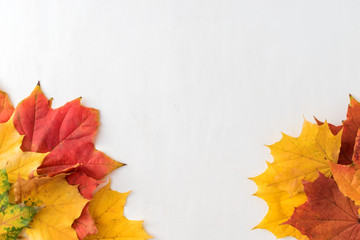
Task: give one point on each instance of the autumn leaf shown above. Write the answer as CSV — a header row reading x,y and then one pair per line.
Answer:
x,y
84,225
12,157
13,218
333,128
327,214
301,158
62,204
87,185
281,205
22,188
6,108
348,180
37,145
350,129
356,154
107,209
67,133
295,159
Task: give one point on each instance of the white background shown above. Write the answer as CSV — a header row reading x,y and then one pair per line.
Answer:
x,y
189,91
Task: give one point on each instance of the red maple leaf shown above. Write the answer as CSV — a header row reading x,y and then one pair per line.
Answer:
x,y
351,126
67,133
327,214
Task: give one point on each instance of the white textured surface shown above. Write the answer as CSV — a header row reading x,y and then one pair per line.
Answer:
x,y
189,91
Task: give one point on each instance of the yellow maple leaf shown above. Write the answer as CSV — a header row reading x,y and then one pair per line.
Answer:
x,y
348,180
12,157
61,204
295,160
281,205
107,209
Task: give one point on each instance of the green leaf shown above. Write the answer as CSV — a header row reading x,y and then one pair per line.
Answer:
x,y
13,217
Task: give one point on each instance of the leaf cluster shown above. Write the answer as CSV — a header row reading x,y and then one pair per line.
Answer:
x,y
50,171
312,187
